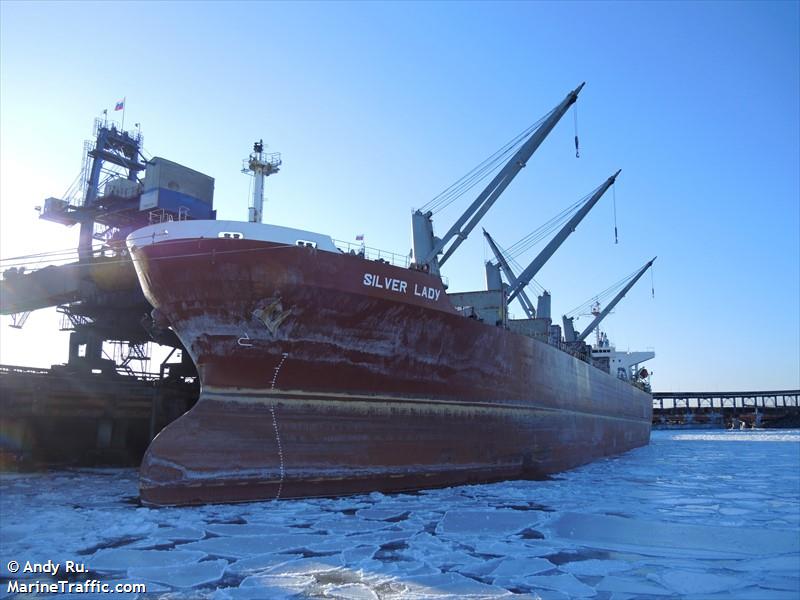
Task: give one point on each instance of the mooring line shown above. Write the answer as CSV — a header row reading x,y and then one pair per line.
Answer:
x,y
275,425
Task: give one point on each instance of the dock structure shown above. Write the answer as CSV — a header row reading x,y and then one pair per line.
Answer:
x,y
767,408
59,416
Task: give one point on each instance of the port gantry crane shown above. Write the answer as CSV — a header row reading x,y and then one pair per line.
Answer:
x,y
427,247
99,295
569,328
517,284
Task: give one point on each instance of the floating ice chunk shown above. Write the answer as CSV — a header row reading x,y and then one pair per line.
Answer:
x,y
12,534
637,586
595,567
789,562
450,584
122,559
486,522
427,544
401,569
565,583
750,593
359,553
241,546
733,512
516,567
516,547
181,534
182,576
542,595
385,536
414,567
247,529
550,595
260,562
137,524
382,514
782,583
350,591
694,582
349,525
274,585
329,544
266,590
252,593
741,495
449,560
307,566
480,568
673,539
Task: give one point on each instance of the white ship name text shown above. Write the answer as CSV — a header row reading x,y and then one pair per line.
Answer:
x,y
400,286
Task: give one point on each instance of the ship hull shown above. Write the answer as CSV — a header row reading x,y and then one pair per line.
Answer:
x,y
326,374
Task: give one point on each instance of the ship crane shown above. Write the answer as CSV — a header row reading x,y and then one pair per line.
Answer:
x,y
532,269
492,276
427,247
569,330
517,284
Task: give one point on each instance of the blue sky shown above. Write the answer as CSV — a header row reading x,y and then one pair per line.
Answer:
x,y
377,107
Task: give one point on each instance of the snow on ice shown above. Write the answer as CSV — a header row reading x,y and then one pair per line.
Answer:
x,y
709,514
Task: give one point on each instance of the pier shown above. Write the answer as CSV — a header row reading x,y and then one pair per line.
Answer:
x,y
771,408
61,416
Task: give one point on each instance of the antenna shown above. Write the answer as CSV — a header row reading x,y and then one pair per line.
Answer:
x,y
260,166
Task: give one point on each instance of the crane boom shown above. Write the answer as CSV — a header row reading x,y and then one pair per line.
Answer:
x,y
527,305
467,222
596,321
548,251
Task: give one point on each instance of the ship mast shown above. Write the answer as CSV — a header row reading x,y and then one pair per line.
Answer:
x,y
260,166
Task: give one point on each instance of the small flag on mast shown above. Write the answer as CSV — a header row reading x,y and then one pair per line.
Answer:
x,y
360,237
120,105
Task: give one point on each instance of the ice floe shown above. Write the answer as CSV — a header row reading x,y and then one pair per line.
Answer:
x,y
241,546
122,559
182,576
692,515
485,522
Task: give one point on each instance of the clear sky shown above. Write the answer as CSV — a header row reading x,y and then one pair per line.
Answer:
x,y
377,107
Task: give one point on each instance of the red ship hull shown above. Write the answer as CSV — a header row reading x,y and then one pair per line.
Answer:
x,y
318,380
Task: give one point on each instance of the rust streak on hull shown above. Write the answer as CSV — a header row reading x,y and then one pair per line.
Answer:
x,y
315,384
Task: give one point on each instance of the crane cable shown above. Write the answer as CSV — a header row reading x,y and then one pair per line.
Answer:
x,y
614,190
541,232
613,289
652,285
482,170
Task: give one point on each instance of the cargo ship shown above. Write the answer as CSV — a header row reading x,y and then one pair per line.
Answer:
x,y
330,370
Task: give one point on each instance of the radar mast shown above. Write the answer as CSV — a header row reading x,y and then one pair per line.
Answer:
x,y
260,165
